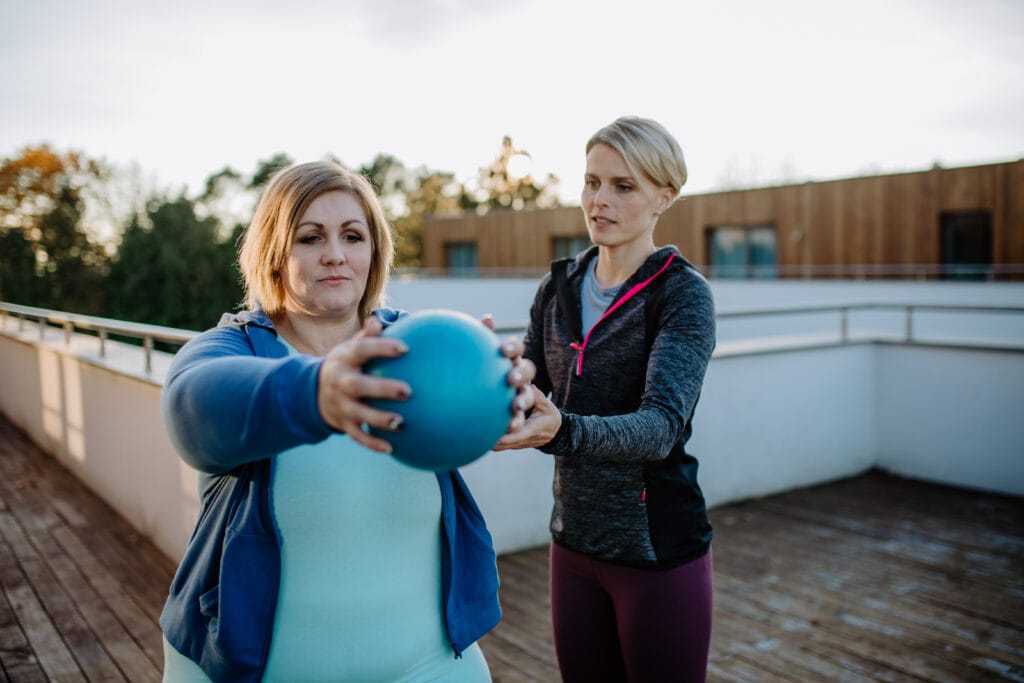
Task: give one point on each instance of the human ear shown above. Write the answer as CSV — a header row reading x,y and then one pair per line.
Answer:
x,y
664,200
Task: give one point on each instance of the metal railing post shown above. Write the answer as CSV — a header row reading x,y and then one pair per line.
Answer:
x,y
103,343
147,345
843,323
909,324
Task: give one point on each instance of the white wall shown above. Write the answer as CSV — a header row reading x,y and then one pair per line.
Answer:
x,y
951,416
104,425
774,421
766,422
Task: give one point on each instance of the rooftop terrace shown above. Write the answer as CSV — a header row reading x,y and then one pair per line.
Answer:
x,y
860,448
870,578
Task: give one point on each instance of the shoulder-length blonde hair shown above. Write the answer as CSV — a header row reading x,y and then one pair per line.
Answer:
x,y
648,149
267,239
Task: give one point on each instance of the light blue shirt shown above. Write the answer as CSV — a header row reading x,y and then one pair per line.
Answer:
x,y
594,299
360,596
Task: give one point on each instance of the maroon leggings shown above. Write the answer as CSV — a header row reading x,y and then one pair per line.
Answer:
x,y
615,623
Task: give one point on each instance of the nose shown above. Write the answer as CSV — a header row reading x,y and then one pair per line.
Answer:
x,y
334,251
600,195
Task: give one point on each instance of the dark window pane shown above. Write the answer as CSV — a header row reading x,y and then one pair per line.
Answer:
x,y
967,245
460,259
567,247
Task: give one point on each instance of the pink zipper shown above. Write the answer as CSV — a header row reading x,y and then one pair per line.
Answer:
x,y
580,348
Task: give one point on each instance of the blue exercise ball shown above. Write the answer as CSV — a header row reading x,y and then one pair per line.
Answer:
x,y
461,400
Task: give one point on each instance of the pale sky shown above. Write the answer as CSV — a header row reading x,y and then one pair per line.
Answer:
x,y
755,91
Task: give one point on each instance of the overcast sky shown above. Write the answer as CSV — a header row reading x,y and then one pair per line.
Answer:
x,y
753,90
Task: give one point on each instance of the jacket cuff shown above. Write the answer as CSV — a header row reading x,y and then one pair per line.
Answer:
x,y
561,443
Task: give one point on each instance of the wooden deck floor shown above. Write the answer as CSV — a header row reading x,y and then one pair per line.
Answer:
x,y
869,579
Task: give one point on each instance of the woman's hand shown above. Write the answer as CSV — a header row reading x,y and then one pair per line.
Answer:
x,y
542,425
343,387
522,373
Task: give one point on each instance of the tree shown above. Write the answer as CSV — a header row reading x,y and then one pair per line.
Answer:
x,y
171,269
266,168
50,261
227,198
408,195
507,184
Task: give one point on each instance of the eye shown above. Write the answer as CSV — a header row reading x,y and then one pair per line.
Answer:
x,y
353,237
590,184
309,238
624,187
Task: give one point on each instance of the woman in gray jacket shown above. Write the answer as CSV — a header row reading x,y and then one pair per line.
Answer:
x,y
621,337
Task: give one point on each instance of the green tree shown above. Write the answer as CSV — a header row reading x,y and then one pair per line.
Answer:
x,y
266,168
20,282
172,269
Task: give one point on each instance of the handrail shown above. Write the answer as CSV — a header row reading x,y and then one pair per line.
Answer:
x,y
149,334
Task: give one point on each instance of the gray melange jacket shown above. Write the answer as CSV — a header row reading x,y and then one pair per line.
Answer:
x,y
625,489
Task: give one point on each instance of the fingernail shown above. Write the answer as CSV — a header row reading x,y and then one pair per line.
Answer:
x,y
396,423
515,377
521,403
401,347
507,347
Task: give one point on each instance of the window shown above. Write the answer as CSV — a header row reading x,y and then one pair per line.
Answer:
x,y
460,259
567,247
742,252
966,245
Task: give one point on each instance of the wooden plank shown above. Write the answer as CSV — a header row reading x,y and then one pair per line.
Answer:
x,y
870,578
47,646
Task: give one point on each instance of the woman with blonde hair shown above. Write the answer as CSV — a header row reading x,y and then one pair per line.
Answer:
x,y
315,557
621,337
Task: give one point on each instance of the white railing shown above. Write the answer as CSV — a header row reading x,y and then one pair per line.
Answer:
x,y
829,405
69,323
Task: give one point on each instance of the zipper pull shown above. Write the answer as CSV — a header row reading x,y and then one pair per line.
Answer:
x,y
579,357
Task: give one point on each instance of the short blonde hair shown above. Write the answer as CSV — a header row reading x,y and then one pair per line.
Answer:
x,y
267,239
648,149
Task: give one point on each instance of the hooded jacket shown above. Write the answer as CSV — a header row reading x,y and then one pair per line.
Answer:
x,y
625,488
233,399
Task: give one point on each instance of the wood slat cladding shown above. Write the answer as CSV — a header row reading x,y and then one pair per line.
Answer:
x,y
869,578
877,225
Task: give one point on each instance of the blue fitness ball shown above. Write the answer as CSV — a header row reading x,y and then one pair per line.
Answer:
x,y
461,401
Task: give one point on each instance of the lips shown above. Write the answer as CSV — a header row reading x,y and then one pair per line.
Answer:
x,y
333,279
601,220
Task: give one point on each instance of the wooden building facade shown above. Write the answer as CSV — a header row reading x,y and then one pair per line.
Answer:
x,y
965,222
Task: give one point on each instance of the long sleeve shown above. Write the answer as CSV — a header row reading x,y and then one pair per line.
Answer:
x,y
223,406
534,338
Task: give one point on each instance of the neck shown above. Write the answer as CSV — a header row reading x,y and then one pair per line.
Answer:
x,y
616,264
315,335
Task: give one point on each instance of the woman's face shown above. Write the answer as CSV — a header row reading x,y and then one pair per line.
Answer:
x,y
619,209
329,258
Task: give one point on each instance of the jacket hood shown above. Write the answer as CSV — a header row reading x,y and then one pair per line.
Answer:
x,y
256,316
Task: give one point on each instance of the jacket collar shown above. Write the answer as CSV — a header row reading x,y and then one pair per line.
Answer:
x,y
578,266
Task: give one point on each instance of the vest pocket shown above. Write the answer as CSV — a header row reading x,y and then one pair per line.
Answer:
x,y
241,610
